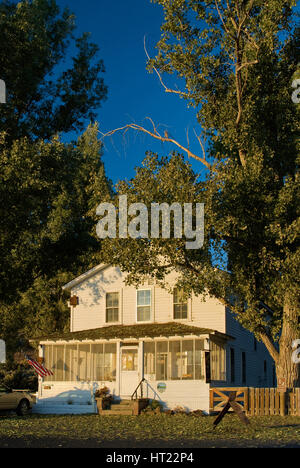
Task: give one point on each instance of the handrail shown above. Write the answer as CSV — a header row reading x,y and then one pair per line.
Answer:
x,y
139,385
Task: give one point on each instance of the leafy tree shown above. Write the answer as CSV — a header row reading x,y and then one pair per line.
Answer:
x,y
47,233
44,98
237,61
47,187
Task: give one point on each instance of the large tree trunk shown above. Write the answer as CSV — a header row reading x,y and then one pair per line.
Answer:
x,y
285,367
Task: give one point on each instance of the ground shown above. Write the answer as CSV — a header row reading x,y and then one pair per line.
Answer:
x,y
165,431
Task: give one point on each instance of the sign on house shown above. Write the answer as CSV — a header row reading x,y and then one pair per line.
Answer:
x,y
2,352
2,92
281,385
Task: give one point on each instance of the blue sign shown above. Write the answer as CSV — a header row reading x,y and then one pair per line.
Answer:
x,y
161,387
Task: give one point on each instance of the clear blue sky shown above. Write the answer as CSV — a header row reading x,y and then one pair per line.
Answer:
x,y
118,27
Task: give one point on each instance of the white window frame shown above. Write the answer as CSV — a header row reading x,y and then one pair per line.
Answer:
x,y
136,310
119,307
187,311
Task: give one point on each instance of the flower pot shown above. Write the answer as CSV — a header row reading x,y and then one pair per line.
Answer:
x,y
103,404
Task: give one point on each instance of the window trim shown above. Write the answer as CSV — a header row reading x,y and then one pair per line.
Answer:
x,y
187,307
136,308
119,308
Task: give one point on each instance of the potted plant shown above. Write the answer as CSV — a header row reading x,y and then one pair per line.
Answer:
x,y
103,399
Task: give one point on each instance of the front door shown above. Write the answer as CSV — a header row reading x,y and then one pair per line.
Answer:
x,y
129,370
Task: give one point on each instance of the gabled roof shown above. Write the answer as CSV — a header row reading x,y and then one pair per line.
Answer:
x,y
149,330
85,276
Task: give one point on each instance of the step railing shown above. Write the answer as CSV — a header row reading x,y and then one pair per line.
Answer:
x,y
135,393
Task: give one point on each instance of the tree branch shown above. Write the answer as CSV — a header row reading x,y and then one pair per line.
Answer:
x,y
167,90
155,134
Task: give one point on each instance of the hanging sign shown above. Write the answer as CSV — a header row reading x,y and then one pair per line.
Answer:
x,y
161,387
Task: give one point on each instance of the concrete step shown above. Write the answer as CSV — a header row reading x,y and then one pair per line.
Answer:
x,y
119,408
122,412
124,403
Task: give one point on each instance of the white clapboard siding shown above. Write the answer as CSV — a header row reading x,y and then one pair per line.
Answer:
x,y
90,313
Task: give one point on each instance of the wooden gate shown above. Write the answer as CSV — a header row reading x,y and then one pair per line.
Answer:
x,y
219,398
258,401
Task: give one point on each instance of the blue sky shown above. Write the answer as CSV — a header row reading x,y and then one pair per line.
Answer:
x,y
118,27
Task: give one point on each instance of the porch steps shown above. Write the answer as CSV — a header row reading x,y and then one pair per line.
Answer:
x,y
123,407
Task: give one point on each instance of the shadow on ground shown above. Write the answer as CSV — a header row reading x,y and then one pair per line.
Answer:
x,y
129,443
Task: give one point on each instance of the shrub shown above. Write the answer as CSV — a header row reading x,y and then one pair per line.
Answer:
x,y
18,376
153,407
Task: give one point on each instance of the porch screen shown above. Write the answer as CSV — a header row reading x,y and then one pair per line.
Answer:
x,y
217,362
75,362
174,359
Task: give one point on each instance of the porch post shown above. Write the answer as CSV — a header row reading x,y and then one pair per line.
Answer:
x,y
118,367
40,380
141,364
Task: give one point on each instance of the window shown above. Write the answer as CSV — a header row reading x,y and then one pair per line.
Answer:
x,y
84,362
81,362
112,307
187,357
254,344
98,361
180,308
199,360
217,362
144,305
162,360
265,370
129,360
232,365
110,362
175,359
244,373
149,358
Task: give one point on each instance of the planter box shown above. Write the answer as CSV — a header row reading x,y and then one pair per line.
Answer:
x,y
139,405
103,404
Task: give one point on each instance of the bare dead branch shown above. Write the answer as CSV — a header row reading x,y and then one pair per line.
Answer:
x,y
202,144
246,64
155,134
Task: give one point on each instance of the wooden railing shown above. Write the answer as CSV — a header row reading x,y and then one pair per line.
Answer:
x,y
135,393
258,401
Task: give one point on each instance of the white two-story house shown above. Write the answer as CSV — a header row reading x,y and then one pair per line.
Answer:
x,y
120,335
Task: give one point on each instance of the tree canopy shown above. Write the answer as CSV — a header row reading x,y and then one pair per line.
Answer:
x,y
44,96
237,61
49,189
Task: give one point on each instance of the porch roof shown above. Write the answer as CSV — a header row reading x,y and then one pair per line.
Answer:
x,y
154,330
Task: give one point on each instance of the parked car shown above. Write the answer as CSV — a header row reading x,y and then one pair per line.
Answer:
x,y
20,401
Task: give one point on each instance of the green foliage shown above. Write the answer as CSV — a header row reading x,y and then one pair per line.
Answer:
x,y
18,377
49,192
237,61
154,406
43,97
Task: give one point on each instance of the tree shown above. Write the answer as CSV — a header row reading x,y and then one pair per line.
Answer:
x,y
48,188
43,98
237,61
47,234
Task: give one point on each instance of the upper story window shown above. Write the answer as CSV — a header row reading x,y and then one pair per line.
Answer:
x,y
144,305
180,306
112,307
